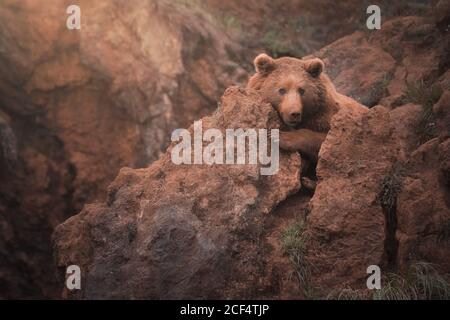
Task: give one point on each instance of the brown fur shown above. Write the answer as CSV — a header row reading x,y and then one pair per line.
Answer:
x,y
320,100
305,98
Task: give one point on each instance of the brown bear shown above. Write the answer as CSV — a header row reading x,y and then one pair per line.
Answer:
x,y
304,97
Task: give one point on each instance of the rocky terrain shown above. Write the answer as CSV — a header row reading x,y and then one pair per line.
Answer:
x,y
76,107
166,233
83,104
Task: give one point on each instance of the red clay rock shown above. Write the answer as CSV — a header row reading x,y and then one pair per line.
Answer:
x,y
441,111
375,67
392,207
441,14
406,118
346,226
367,208
84,103
138,70
186,231
423,208
357,68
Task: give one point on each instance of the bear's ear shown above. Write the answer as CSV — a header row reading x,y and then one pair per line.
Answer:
x,y
314,67
264,64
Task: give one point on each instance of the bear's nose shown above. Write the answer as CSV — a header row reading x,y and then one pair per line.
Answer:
x,y
296,115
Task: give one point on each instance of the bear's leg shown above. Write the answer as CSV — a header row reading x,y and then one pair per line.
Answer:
x,y
306,141
308,179
309,184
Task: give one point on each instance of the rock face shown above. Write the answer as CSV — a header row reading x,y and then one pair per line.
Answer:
x,y
381,200
76,106
382,196
182,231
81,104
376,67
346,226
441,13
423,205
383,192
143,88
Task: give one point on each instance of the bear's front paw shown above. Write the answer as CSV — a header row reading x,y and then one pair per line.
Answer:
x,y
288,141
309,184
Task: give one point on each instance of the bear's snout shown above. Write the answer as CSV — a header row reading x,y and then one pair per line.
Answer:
x,y
295,116
292,118
291,109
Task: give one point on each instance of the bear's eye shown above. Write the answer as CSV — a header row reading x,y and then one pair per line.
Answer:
x,y
282,91
301,91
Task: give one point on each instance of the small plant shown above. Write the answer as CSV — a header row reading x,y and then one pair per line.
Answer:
x,y
387,197
421,282
348,294
379,90
273,42
390,187
294,246
8,145
395,287
421,93
444,232
231,23
426,96
429,283
396,50
291,238
279,43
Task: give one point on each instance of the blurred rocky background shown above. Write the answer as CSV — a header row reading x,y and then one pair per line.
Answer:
x,y
78,105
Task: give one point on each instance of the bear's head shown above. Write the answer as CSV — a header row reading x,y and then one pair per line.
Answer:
x,y
294,87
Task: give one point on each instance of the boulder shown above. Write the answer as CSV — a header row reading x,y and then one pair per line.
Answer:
x,y
182,231
382,198
347,228
358,68
423,210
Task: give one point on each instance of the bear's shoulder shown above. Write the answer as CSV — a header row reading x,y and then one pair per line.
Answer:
x,y
344,101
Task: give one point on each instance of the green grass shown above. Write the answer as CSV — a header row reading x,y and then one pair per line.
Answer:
x,y
444,232
395,287
230,23
274,43
194,6
421,93
379,90
348,294
294,246
8,144
422,281
390,187
429,283
425,95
